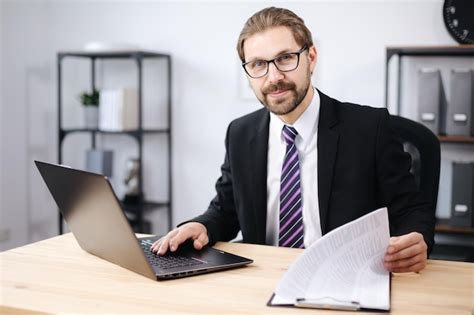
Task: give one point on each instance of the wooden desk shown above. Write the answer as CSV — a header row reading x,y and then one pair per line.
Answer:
x,y
56,276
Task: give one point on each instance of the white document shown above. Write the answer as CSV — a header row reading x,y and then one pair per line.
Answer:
x,y
343,270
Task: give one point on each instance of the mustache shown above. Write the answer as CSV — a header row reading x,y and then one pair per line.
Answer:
x,y
282,85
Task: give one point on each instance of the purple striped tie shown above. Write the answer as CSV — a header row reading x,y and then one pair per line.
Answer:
x,y
291,208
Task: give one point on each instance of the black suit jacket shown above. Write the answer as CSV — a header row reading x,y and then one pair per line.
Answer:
x,y
361,167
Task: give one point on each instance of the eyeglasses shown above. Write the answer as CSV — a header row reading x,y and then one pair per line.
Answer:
x,y
284,63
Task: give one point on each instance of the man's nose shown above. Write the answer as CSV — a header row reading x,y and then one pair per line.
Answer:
x,y
274,75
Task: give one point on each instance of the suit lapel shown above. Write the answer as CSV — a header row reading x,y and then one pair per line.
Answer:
x,y
258,151
327,152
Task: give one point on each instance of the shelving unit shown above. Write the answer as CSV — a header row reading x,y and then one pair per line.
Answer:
x,y
135,212
443,227
456,139
430,51
452,242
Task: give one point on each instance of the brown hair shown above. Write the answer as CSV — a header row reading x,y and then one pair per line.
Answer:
x,y
273,17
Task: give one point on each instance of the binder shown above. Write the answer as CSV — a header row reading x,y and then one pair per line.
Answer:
x,y
118,110
431,100
461,105
462,195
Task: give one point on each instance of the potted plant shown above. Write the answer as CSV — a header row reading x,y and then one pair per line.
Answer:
x,y
90,101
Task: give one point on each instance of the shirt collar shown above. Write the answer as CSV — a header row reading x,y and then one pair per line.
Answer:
x,y
306,124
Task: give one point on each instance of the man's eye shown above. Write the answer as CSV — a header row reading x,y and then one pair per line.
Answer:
x,y
258,64
284,58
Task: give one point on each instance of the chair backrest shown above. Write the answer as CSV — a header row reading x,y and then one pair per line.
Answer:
x,y
426,161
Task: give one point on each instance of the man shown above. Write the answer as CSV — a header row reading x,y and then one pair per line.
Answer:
x,y
306,163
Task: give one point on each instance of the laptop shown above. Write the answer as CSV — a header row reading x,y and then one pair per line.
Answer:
x,y
97,221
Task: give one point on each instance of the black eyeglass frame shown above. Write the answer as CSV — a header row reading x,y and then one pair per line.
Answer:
x,y
297,53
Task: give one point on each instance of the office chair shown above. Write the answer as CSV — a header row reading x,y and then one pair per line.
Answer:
x,y
424,148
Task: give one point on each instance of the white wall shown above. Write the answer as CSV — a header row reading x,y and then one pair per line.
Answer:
x,y
201,37
2,219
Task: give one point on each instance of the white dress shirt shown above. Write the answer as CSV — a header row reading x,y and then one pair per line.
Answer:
x,y
306,144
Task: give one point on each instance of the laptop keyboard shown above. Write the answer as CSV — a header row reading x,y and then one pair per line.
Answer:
x,y
169,261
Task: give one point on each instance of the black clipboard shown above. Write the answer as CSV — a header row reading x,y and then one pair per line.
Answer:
x,y
336,305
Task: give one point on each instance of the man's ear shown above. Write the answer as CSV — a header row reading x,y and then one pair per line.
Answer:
x,y
313,57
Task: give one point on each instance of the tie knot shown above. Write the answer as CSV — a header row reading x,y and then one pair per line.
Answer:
x,y
289,133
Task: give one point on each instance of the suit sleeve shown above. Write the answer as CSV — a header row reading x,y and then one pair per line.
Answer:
x,y
221,219
408,211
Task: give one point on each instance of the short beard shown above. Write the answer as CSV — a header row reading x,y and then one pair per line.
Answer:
x,y
282,108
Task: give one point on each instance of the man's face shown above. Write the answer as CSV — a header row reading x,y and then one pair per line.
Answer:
x,y
280,92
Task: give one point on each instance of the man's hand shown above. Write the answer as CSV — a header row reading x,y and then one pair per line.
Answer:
x,y
192,230
406,253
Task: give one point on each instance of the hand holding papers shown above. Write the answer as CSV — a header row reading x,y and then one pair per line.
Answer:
x,y
342,270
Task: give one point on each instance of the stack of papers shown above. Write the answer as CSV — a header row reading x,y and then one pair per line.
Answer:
x,y
342,270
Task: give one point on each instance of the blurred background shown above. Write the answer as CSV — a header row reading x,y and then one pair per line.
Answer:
x,y
198,77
